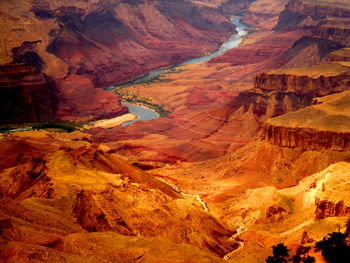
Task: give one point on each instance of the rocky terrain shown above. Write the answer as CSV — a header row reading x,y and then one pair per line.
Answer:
x,y
208,133
26,94
255,150
105,43
197,128
56,189
283,187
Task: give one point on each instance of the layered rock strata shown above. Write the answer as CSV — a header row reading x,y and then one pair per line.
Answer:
x,y
321,126
115,41
340,55
318,80
79,101
26,94
213,132
312,13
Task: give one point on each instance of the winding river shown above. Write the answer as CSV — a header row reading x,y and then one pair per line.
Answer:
x,y
144,113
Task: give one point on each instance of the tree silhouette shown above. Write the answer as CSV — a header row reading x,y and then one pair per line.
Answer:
x,y
280,254
334,247
309,259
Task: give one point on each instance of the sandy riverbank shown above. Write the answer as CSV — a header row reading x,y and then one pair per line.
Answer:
x,y
110,123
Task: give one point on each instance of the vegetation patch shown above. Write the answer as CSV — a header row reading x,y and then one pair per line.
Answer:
x,y
60,126
142,101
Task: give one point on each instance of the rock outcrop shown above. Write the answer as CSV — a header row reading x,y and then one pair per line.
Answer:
x,y
327,23
79,101
318,127
55,186
311,13
263,14
318,80
26,94
304,213
340,55
114,41
326,208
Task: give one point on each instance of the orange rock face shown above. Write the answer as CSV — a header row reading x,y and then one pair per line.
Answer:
x,y
108,43
62,187
80,101
135,37
254,153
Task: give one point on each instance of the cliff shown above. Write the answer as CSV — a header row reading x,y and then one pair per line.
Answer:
x,y
318,127
263,14
340,55
327,23
79,101
327,208
26,94
290,147
337,30
310,13
317,80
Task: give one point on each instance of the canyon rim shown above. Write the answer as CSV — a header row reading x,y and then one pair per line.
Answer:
x,y
175,131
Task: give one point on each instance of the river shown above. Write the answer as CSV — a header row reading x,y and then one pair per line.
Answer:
x,y
144,113
232,42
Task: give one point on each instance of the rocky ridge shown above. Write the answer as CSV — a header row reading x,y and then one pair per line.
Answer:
x,y
56,189
65,197
322,126
209,91
235,123
107,42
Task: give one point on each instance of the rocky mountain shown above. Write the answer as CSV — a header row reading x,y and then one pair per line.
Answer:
x,y
255,151
105,43
57,188
283,187
273,69
230,126
27,95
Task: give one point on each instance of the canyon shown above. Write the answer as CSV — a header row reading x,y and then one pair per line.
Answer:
x,y
250,149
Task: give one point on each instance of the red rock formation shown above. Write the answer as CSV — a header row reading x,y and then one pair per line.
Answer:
x,y
266,49
61,187
26,94
263,14
79,101
142,36
213,132
205,123
340,55
307,139
325,208
328,23
315,127
334,31
309,13
319,80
